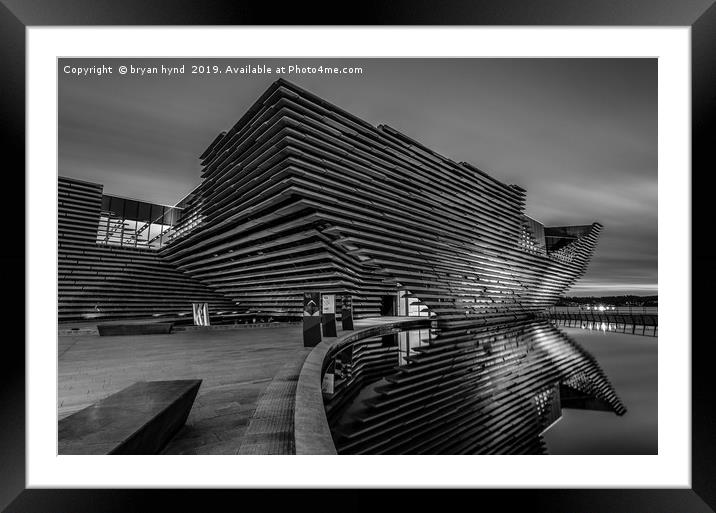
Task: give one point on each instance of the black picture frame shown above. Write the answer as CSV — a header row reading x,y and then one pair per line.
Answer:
x,y
17,15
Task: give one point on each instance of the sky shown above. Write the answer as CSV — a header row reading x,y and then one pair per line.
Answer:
x,y
579,134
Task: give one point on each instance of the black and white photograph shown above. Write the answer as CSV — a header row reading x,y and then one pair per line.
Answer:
x,y
269,256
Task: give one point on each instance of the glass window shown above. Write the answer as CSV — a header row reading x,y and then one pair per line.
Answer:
x,y
133,223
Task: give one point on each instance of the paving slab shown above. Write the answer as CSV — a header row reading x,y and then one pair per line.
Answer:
x,y
236,366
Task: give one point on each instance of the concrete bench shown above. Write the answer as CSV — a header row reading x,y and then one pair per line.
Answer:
x,y
139,419
147,328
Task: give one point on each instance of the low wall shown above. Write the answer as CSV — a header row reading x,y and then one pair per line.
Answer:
x,y
312,432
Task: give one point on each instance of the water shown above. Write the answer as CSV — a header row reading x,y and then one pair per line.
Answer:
x,y
630,363
494,389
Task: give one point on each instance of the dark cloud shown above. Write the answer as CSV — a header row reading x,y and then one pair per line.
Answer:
x,y
579,134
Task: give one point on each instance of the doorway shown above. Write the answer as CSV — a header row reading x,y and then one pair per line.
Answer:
x,y
388,306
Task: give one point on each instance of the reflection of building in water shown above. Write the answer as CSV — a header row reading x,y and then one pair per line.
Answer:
x,y
490,390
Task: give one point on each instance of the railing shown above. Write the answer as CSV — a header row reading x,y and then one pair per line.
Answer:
x,y
634,320
631,310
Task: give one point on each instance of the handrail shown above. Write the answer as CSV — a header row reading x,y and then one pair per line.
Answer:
x,y
650,319
311,430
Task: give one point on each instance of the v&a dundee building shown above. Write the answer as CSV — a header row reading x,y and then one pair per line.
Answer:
x,y
301,200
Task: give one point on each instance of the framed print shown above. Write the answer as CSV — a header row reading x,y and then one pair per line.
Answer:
x,y
496,208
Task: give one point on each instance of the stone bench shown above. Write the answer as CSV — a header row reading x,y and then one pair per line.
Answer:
x,y
147,328
139,419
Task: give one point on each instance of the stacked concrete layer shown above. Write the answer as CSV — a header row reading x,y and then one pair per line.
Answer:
x,y
494,391
103,282
300,195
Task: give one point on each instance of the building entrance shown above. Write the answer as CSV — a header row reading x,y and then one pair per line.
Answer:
x,y
388,306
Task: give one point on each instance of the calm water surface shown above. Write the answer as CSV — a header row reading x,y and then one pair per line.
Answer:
x,y
630,362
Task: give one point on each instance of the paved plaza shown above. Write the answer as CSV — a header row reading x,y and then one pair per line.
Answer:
x,y
236,365
246,402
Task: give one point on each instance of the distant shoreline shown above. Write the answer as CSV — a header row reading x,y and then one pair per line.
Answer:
x,y
624,300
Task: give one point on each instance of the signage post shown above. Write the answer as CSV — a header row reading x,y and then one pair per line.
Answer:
x,y
311,319
347,312
329,315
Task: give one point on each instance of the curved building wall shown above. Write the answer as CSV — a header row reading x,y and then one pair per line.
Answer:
x,y
102,282
300,195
